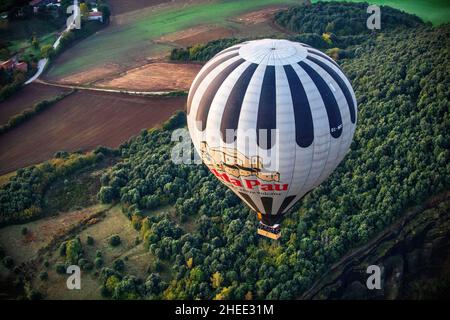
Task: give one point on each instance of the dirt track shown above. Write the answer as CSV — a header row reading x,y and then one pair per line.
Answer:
x,y
83,121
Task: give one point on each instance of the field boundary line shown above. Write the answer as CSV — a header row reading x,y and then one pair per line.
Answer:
x,y
130,92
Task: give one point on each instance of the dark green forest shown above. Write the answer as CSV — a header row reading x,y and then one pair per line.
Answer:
x,y
398,159
341,18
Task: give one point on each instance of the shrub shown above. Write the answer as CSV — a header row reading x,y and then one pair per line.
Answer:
x,y
105,292
60,268
74,250
98,262
119,265
62,249
43,276
85,264
114,240
90,240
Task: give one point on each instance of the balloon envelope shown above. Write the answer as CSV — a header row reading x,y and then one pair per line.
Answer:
x,y
271,119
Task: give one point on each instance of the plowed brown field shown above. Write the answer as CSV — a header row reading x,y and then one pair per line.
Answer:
x,y
26,98
83,121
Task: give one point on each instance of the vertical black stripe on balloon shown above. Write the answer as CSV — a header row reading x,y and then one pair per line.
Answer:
x,y
304,127
267,113
341,83
331,106
286,202
210,93
250,202
203,76
232,110
267,203
320,54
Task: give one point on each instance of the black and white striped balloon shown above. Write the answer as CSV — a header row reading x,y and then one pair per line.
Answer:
x,y
271,119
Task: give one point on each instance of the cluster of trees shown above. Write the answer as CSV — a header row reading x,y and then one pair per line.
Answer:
x,y
10,82
21,199
202,52
340,18
30,112
399,158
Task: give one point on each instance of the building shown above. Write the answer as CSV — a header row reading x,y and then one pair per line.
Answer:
x,y
95,16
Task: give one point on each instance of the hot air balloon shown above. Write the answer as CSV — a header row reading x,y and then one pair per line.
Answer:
x,y
271,119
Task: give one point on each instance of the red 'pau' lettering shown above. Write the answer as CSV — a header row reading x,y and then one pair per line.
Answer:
x,y
236,182
250,184
283,187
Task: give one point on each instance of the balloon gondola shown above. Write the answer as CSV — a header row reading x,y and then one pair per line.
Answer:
x,y
271,119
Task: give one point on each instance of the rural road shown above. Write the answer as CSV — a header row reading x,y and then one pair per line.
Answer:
x,y
43,62
139,93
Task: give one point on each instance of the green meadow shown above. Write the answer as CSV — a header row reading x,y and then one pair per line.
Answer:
x,y
132,39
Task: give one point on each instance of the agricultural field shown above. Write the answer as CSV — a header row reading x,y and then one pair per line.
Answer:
x,y
26,98
83,120
141,30
121,6
158,76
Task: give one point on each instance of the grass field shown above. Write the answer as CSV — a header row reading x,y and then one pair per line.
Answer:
x,y
130,39
435,11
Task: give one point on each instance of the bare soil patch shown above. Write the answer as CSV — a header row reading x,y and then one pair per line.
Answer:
x,y
87,76
258,16
83,121
160,76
